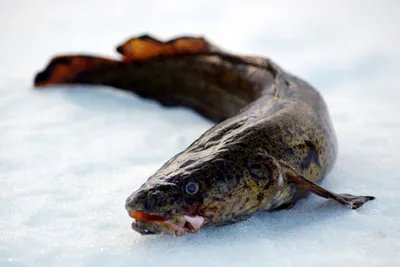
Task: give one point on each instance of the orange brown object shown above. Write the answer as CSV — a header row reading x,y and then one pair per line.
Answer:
x,y
71,69
145,47
145,217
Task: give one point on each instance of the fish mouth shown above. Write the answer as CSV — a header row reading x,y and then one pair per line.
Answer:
x,y
176,225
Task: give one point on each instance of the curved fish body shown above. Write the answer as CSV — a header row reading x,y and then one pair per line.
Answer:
x,y
272,144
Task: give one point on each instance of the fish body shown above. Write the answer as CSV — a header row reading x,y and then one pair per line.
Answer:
x,y
272,144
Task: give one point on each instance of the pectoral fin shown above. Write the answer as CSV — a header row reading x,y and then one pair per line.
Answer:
x,y
305,185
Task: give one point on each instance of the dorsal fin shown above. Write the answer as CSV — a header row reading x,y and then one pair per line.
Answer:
x,y
145,47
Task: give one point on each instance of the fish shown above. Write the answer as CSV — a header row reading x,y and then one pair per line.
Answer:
x,y
272,144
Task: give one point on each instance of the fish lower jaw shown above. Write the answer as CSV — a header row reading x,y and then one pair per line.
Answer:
x,y
145,224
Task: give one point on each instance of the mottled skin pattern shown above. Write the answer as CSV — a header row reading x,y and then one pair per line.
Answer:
x,y
273,142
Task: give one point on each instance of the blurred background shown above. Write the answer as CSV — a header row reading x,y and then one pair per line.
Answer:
x,y
69,156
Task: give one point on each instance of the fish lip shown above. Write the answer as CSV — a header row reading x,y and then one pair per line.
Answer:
x,y
174,224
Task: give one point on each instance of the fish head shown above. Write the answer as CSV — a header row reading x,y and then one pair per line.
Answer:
x,y
192,191
166,204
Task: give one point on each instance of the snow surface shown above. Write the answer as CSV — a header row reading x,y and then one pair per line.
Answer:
x,y
69,157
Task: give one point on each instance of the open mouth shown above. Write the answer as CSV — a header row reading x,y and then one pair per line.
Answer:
x,y
178,225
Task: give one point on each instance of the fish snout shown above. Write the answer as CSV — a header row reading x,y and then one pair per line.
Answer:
x,y
136,202
145,201
128,203
160,200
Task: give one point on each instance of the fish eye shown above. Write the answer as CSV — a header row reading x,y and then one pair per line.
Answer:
x,y
191,188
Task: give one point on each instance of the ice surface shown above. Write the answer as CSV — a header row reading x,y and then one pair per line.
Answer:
x,y
69,157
